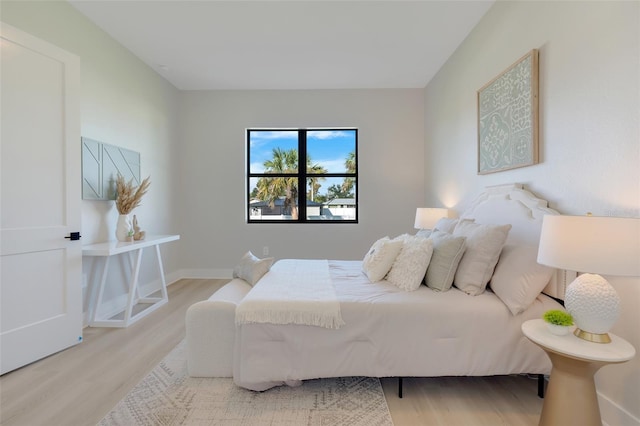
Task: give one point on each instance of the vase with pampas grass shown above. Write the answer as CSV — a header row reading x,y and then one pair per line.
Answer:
x,y
128,198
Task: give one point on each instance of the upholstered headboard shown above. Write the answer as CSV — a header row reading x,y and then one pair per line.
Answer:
x,y
503,204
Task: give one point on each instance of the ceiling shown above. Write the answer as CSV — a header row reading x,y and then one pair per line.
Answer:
x,y
296,44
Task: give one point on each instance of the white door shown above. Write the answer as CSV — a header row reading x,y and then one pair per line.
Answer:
x,y
40,270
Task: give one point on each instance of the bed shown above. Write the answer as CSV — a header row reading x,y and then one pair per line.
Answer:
x,y
384,330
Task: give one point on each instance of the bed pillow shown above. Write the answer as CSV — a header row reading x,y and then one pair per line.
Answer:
x,y
423,233
446,224
519,278
251,268
380,257
410,267
484,244
447,252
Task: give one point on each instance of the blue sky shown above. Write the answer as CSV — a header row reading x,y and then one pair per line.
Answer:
x,y
328,148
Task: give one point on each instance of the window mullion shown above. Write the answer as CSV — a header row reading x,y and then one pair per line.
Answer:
x,y
302,175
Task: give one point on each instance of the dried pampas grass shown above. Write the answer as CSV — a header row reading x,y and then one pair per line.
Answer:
x,y
128,197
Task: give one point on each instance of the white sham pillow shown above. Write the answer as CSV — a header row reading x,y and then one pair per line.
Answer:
x,y
484,244
447,252
446,224
424,233
409,268
251,268
380,258
518,278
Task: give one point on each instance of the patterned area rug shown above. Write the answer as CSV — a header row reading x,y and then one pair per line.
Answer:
x,y
168,396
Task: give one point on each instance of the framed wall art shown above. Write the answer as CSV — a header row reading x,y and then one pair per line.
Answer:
x,y
508,118
101,164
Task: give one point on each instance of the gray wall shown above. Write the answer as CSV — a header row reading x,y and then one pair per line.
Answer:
x,y
124,103
417,147
212,172
589,132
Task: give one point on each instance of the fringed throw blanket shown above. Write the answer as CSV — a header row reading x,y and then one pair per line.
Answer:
x,y
294,291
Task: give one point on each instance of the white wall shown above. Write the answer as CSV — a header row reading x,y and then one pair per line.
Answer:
x,y
212,172
589,132
123,103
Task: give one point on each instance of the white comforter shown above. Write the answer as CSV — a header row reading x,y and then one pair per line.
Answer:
x,y
389,332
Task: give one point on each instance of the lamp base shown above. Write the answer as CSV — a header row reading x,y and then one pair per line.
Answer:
x,y
592,337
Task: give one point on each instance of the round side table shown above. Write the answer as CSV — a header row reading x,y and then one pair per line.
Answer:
x,y
571,397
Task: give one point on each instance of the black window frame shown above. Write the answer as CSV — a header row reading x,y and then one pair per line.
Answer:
x,y
302,176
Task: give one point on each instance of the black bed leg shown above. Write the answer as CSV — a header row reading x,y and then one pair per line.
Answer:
x,y
541,385
399,387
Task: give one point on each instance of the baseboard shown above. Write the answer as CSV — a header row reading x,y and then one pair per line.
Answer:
x,y
204,273
614,415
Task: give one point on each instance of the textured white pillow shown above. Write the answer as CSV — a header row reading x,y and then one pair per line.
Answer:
x,y
380,257
484,244
519,278
409,268
251,268
447,252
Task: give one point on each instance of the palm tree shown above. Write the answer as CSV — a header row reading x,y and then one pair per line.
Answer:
x,y
270,189
336,191
314,184
350,165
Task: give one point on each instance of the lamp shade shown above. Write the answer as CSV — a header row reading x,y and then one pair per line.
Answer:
x,y
591,245
426,217
600,245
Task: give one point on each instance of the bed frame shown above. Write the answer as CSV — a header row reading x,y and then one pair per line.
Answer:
x,y
210,348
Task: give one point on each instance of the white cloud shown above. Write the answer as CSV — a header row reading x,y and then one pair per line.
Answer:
x,y
263,136
256,167
332,166
326,134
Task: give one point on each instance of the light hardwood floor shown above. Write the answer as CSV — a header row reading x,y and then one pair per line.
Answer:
x,y
80,385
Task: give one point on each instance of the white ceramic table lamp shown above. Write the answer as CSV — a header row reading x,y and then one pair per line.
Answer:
x,y
427,217
591,245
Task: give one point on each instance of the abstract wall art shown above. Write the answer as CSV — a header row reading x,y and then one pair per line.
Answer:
x,y
101,164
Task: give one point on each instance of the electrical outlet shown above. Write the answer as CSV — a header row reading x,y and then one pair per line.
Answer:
x,y
265,251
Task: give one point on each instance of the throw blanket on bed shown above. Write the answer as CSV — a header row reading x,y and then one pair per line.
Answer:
x,y
294,291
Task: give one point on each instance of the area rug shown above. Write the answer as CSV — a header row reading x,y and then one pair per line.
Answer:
x,y
167,396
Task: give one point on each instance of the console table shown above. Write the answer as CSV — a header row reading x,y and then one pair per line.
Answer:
x,y
134,250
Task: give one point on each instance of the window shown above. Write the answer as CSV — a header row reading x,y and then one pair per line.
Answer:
x,y
284,164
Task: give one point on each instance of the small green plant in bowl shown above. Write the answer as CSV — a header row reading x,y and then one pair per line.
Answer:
x,y
558,317
558,321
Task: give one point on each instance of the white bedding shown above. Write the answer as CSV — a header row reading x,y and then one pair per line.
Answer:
x,y
389,332
294,291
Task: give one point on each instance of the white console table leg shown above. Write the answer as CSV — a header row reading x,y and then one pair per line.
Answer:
x,y
134,252
103,280
133,288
